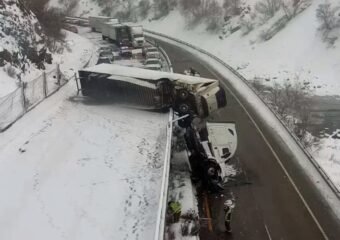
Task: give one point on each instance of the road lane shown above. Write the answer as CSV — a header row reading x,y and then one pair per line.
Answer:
x,y
269,207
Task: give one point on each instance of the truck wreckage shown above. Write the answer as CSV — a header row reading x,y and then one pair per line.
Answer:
x,y
153,89
210,148
191,97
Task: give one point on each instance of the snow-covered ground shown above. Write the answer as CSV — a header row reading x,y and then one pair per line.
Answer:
x,y
76,55
327,153
297,50
73,169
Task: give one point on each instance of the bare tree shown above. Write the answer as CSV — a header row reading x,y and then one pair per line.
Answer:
x,y
162,8
144,8
293,7
326,14
268,8
232,7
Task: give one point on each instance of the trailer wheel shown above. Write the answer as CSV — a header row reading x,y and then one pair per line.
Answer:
x,y
183,108
183,94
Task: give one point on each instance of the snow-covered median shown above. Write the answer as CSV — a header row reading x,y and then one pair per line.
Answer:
x,y
73,169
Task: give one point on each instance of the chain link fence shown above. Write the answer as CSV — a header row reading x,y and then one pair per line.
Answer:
x,y
14,105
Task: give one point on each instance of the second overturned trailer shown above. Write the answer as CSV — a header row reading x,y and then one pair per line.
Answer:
x,y
153,89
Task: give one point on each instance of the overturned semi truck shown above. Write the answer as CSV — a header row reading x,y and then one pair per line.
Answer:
x,y
210,148
153,89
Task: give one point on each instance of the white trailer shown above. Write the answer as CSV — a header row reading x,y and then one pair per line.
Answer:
x,y
137,34
186,94
96,22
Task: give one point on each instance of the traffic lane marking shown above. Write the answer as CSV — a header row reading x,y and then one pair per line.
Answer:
x,y
273,152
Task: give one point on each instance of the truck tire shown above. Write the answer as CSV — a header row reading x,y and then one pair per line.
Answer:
x,y
183,108
183,94
184,123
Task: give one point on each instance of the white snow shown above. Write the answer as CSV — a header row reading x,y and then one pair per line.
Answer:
x,y
76,169
76,55
296,50
7,84
327,153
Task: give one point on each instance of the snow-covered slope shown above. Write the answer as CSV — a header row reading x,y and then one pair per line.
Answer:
x,y
22,45
297,51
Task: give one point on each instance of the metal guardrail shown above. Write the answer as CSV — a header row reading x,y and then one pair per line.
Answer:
x,y
167,59
237,74
163,200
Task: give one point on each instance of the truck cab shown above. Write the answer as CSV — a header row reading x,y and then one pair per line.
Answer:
x,y
211,147
137,34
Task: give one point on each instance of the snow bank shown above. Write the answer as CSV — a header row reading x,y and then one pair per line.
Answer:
x,y
296,50
327,152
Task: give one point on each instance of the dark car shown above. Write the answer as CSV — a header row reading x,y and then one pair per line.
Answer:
x,y
104,60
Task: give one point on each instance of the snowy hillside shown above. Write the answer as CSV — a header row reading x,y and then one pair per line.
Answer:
x,y
23,48
278,47
296,52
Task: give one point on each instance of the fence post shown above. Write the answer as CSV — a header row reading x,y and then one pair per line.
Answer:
x,y
44,84
75,78
58,74
24,105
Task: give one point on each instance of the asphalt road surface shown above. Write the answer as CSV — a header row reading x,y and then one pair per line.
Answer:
x,y
268,206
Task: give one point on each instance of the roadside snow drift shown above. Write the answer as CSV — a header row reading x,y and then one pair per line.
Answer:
x,y
75,169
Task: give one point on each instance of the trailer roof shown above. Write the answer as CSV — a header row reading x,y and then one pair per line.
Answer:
x,y
131,24
114,69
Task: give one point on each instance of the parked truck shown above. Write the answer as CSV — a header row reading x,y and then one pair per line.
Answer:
x,y
120,35
106,26
153,89
137,34
97,22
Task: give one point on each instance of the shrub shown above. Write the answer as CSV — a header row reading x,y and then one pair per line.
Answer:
x,y
11,71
